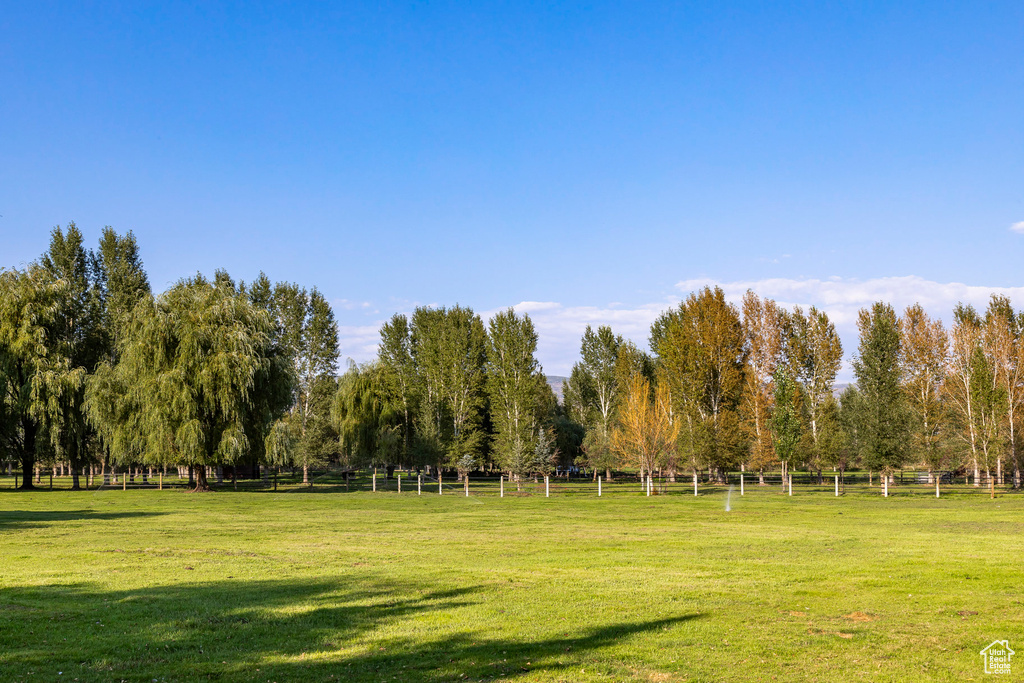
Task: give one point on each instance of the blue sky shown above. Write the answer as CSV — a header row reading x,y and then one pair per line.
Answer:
x,y
594,160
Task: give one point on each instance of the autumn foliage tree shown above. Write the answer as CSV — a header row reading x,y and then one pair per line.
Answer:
x,y
645,434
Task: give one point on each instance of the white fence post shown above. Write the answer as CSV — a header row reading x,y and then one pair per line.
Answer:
x,y
648,485
599,486
547,487
741,483
419,484
837,485
439,491
791,484
399,482
885,486
465,478
694,484
501,481
936,486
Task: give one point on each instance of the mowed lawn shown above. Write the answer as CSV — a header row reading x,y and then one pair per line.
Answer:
x,y
175,586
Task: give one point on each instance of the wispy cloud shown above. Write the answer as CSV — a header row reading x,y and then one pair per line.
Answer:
x,y
1017,227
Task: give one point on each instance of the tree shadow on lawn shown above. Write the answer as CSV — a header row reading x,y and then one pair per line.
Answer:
x,y
15,519
274,630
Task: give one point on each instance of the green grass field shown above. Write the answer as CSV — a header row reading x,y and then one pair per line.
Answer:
x,y
151,585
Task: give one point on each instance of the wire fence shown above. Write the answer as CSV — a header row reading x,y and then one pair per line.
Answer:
x,y
498,485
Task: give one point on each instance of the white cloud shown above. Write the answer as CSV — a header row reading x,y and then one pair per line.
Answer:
x,y
560,326
1017,227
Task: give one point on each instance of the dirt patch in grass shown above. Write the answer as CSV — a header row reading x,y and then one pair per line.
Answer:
x,y
860,616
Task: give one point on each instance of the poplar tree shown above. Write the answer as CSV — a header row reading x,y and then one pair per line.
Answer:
x,y
885,437
512,382
764,326
645,435
399,377
701,356
449,347
1005,345
309,337
75,345
924,346
592,393
815,355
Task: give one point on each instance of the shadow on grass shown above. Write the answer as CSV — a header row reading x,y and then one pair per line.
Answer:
x,y
353,628
16,519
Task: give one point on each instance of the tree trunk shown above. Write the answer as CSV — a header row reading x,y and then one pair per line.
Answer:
x,y
305,473
201,483
28,455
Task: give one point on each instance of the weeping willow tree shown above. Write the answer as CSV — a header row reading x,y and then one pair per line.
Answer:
x,y
29,308
369,425
193,363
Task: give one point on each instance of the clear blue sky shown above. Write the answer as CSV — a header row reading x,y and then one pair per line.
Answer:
x,y
592,155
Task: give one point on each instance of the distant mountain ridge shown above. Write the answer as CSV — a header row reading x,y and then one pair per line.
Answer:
x,y
556,382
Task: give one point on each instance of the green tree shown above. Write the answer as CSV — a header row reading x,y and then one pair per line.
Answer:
x,y
786,424
592,392
189,364
449,347
701,358
513,380
885,437
399,377
30,304
309,337
365,419
815,354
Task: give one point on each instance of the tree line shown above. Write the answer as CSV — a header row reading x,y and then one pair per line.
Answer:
x,y
752,388
241,378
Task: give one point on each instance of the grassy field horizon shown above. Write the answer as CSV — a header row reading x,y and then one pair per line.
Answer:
x,y
172,586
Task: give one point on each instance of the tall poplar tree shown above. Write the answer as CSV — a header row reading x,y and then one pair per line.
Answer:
x,y
592,392
815,355
924,350
1003,339
886,430
512,380
701,356
76,343
764,332
449,347
309,336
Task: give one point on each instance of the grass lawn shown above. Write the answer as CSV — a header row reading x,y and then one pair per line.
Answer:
x,y
172,586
